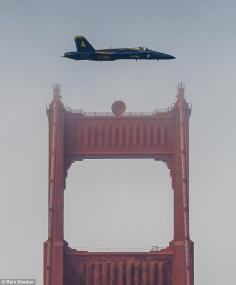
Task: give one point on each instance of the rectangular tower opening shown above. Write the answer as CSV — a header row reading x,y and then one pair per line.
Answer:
x,y
118,205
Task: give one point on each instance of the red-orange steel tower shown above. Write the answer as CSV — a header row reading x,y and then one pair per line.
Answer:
x,y
161,135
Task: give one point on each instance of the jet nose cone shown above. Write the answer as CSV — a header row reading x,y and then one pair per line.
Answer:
x,y
164,56
170,56
67,54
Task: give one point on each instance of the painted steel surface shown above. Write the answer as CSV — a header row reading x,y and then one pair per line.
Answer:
x,y
74,136
123,268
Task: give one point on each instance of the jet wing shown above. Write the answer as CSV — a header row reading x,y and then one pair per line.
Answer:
x,y
106,52
110,53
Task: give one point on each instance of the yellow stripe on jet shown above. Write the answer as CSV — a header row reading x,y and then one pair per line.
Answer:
x,y
79,37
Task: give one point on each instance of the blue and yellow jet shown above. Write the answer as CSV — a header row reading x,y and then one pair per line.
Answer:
x,y
85,51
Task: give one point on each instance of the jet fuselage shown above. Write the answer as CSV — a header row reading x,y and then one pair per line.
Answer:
x,y
86,52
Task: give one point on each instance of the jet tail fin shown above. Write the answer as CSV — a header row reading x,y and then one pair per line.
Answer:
x,y
82,45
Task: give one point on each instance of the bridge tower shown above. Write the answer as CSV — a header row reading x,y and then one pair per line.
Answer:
x,y
161,135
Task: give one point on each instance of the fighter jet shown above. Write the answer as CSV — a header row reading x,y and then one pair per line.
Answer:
x,y
85,51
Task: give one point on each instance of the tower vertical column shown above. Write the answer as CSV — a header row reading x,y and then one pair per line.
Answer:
x,y
182,244
53,251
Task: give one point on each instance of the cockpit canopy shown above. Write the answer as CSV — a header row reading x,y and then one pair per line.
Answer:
x,y
141,48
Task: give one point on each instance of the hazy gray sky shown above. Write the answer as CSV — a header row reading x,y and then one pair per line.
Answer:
x,y
101,194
